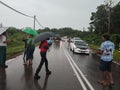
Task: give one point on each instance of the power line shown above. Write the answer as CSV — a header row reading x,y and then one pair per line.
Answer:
x,y
15,10
22,13
39,23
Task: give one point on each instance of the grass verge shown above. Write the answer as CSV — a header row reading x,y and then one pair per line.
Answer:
x,y
14,51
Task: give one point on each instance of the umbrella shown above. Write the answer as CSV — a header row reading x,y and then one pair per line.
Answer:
x,y
29,30
3,29
42,36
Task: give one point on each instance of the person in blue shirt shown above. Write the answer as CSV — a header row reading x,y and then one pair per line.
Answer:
x,y
49,42
106,52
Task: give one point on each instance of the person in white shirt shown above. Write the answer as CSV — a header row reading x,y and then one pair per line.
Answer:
x,y
3,44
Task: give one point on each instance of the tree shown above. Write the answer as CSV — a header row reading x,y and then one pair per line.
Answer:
x,y
115,18
99,20
106,19
116,39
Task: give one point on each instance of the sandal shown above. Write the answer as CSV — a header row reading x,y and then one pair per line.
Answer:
x,y
102,82
112,83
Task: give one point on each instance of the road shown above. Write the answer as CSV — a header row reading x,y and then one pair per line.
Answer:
x,y
69,72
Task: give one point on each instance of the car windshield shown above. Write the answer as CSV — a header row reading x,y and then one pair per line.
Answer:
x,y
80,43
77,38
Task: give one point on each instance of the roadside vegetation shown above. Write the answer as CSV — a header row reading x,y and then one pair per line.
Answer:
x,y
16,45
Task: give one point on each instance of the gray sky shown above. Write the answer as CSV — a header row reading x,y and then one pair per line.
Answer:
x,y
50,13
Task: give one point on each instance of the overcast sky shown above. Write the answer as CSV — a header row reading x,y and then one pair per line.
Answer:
x,y
50,13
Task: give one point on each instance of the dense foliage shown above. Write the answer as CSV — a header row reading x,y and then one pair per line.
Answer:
x,y
99,20
100,23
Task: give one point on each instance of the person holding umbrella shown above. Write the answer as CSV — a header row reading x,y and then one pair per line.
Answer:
x,y
3,44
29,50
43,50
30,46
25,46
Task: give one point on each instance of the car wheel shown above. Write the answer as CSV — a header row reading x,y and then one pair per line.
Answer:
x,y
73,50
87,53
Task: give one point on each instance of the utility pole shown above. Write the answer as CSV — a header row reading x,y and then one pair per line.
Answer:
x,y
83,29
34,22
1,25
108,9
109,20
109,15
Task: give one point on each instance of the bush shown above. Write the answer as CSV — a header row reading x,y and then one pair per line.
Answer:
x,y
116,39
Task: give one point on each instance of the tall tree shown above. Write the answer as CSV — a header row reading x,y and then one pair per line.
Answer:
x,y
106,19
115,19
99,20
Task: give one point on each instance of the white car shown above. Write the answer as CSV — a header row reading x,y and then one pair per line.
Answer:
x,y
79,46
76,38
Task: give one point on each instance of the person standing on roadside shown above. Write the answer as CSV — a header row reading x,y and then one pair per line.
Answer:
x,y
29,50
25,46
43,50
3,45
106,52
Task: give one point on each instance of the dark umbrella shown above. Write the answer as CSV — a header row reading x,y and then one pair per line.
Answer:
x,y
42,36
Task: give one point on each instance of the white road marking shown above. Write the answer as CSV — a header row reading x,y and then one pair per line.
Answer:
x,y
78,69
75,71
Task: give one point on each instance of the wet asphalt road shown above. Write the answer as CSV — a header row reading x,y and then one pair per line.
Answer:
x,y
69,72
89,65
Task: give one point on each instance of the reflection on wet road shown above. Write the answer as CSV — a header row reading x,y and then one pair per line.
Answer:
x,y
2,79
69,72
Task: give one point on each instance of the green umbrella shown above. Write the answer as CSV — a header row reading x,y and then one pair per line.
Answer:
x,y
29,30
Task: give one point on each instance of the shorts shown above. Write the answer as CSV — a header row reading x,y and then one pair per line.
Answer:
x,y
105,66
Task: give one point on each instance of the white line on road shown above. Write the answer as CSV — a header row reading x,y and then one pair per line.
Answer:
x,y
88,83
75,65
79,79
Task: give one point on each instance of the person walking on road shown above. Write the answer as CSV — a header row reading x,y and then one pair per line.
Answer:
x,y
106,51
43,50
3,44
25,47
29,50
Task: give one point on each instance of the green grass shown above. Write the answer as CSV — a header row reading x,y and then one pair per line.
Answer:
x,y
116,55
16,45
14,51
